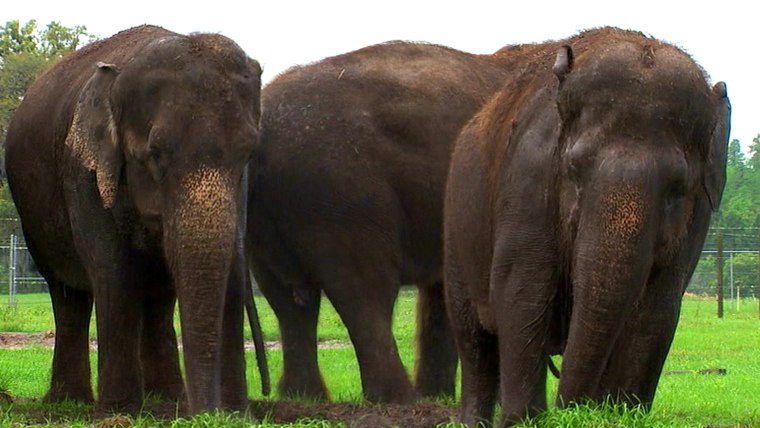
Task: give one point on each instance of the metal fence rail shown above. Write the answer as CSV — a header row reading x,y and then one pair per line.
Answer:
x,y
740,266
20,270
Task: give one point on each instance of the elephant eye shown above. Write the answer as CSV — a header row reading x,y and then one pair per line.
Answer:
x,y
158,153
160,145
154,153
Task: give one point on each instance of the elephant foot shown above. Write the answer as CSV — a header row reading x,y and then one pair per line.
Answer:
x,y
391,393
302,388
120,399
111,406
236,401
81,395
171,392
436,387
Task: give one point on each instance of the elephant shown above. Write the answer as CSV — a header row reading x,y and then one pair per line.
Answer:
x,y
127,162
346,197
577,203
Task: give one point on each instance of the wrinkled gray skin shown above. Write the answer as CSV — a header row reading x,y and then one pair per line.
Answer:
x,y
577,204
347,198
129,179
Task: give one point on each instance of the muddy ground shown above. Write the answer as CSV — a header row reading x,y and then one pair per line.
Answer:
x,y
420,415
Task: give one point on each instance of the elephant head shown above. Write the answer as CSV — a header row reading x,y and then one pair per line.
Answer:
x,y
642,163
167,133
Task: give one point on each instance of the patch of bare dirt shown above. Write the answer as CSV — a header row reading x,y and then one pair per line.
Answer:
x,y
12,340
352,415
419,415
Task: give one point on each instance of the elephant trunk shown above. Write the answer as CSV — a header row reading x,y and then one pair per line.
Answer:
x,y
201,245
611,264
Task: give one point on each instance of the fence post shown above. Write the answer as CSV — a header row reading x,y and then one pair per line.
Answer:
x,y
12,272
719,269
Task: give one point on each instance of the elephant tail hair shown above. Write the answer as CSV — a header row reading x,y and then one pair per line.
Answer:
x,y
552,368
258,341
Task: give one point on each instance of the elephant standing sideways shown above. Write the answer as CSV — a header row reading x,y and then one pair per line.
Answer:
x,y
347,197
127,163
577,204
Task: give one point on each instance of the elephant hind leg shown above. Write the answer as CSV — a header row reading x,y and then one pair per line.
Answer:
x,y
436,363
297,317
365,305
70,378
479,355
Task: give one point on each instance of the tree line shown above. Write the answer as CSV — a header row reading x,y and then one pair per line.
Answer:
x,y
737,225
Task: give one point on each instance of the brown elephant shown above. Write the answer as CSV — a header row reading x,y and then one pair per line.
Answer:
x,y
576,207
127,162
347,197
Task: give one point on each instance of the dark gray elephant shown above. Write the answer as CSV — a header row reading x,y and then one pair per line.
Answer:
x,y
129,178
347,198
577,204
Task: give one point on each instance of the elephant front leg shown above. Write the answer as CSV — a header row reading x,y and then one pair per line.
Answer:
x,y
522,299
297,317
116,277
234,387
158,350
636,362
436,364
119,319
478,352
70,378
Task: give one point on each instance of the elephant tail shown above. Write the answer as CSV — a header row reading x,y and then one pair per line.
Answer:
x,y
258,340
552,367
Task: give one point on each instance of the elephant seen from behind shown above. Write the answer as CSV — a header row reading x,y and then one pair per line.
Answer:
x,y
577,204
347,198
127,161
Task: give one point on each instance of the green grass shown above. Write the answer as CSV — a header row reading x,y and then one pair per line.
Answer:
x,y
33,313
685,399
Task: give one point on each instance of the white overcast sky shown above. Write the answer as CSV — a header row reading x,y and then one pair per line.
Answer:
x,y
722,36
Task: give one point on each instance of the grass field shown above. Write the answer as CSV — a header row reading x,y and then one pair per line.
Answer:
x,y
684,397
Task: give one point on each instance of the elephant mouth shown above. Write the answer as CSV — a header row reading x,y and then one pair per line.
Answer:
x,y
153,223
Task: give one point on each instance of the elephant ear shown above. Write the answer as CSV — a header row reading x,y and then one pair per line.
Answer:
x,y
92,135
564,63
715,173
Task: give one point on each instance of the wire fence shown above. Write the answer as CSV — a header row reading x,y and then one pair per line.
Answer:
x,y
729,265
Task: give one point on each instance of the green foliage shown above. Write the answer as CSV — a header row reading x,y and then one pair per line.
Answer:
x,y
17,71
26,51
740,206
17,38
54,41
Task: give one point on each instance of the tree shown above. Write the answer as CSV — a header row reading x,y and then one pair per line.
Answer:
x,y
52,42
17,72
25,52
735,157
15,38
754,150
